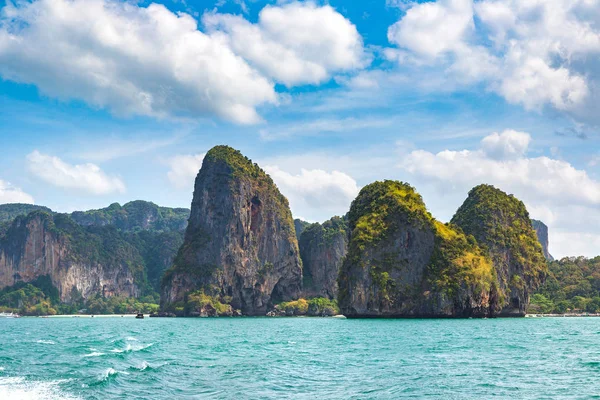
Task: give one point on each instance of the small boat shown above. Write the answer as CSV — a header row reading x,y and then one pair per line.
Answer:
x,y
139,316
8,315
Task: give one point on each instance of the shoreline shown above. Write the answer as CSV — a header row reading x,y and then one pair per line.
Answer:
x,y
567,315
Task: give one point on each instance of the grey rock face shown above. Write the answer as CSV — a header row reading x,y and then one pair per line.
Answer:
x,y
35,246
541,231
240,244
322,249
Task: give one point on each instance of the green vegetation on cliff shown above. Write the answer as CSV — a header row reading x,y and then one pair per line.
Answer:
x,y
8,212
457,262
135,216
501,222
572,285
40,297
139,236
373,213
318,306
300,225
391,226
324,233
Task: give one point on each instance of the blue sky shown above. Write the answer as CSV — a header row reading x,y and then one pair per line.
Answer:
x,y
105,101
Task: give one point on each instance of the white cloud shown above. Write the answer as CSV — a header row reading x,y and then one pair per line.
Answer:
x,y
11,194
129,59
316,194
564,197
433,28
507,145
183,170
84,177
533,53
294,43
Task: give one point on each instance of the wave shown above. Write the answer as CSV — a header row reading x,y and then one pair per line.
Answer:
x,y
20,388
94,354
129,348
132,339
45,341
144,366
108,375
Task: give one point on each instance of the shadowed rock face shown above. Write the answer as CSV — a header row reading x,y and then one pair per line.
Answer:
x,y
403,263
541,231
76,260
240,244
322,249
501,223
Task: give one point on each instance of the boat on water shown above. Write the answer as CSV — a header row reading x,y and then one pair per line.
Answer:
x,y
140,316
8,315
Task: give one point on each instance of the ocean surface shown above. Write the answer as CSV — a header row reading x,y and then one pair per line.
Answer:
x,y
298,358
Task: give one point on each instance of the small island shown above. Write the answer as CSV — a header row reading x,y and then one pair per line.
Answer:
x,y
238,252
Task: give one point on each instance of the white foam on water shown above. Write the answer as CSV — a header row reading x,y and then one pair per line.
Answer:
x,y
130,348
94,354
143,366
132,339
22,389
1,369
45,341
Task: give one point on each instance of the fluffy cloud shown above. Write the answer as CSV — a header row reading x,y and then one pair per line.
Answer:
x,y
507,145
129,59
149,61
564,197
533,53
430,29
11,194
295,43
85,177
183,170
316,194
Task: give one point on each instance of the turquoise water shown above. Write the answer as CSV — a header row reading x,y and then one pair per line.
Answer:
x,y
299,358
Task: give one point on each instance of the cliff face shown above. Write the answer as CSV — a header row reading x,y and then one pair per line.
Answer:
x,y
501,223
300,225
541,230
403,263
240,244
322,249
78,262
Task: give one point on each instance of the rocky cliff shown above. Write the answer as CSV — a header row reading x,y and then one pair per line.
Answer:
x,y
299,225
240,244
501,223
117,250
541,231
79,262
322,249
401,262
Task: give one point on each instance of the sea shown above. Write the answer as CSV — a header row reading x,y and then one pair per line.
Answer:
x,y
299,358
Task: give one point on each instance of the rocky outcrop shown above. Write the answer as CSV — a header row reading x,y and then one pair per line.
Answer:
x,y
80,263
501,223
322,249
240,244
8,212
541,230
135,216
401,262
299,225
